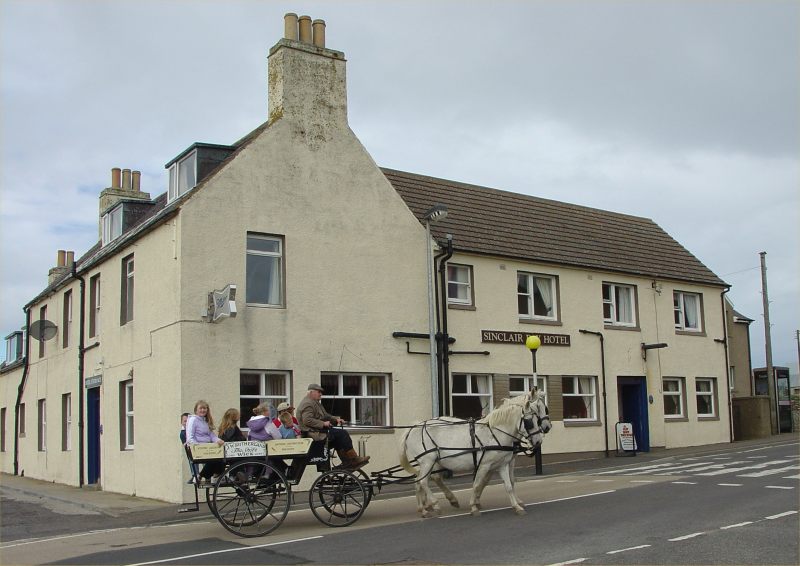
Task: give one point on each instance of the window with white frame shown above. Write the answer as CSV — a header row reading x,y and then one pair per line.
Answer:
x,y
126,409
536,296
264,282
21,416
579,395
705,393
687,311
619,306
182,176
256,386
459,284
126,296
2,429
358,398
66,321
471,395
94,306
42,428
14,344
66,422
673,397
112,224
520,384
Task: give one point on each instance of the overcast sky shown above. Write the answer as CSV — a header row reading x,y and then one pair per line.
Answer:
x,y
684,112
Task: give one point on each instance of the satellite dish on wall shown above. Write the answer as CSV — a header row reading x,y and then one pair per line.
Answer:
x,y
43,330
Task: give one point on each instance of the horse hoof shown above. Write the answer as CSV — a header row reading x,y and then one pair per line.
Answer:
x,y
520,511
476,512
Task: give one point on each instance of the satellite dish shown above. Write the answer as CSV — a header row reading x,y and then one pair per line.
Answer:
x,y
43,330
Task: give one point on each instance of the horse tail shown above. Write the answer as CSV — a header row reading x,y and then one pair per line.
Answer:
x,y
404,462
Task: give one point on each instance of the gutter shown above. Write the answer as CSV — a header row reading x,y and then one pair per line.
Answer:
x,y
727,360
603,370
21,388
81,355
444,338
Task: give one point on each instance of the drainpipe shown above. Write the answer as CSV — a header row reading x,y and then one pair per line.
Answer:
x,y
21,388
603,370
444,376
727,361
81,356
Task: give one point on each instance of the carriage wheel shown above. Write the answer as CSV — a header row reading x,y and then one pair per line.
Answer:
x,y
367,483
251,499
337,498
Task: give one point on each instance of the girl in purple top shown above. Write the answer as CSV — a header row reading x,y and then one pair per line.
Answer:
x,y
261,426
199,430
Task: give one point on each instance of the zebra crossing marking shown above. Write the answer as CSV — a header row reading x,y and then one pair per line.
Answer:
x,y
770,472
758,466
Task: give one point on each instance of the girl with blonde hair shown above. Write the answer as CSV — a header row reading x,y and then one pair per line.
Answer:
x,y
229,430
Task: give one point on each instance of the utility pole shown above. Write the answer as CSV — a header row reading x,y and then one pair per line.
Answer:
x,y
771,381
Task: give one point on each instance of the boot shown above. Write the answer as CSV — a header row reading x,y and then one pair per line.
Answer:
x,y
351,460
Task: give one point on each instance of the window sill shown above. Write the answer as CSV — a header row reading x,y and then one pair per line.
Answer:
x,y
259,306
689,332
676,419
571,423
458,307
707,417
542,321
621,327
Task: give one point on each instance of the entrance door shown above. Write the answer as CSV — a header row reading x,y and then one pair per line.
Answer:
x,y
632,392
93,434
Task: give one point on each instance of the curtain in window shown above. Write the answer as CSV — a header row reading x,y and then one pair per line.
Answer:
x,y
544,286
690,311
624,304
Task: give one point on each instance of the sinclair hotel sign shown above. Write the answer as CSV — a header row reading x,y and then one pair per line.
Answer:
x,y
503,336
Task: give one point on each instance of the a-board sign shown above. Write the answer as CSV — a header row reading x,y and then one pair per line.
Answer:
x,y
626,440
245,449
288,446
210,451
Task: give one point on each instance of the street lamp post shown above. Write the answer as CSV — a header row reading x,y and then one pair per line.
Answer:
x,y
436,213
532,343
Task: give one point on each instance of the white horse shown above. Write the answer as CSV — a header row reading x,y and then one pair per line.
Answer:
x,y
480,446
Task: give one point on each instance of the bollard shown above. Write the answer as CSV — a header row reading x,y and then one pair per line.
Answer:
x,y
537,456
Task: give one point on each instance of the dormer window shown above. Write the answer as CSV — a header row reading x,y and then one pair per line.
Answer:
x,y
182,176
13,347
112,224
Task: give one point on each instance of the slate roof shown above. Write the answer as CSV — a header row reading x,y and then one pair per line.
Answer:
x,y
499,223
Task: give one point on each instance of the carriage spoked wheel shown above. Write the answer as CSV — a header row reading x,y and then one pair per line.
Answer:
x,y
338,498
251,499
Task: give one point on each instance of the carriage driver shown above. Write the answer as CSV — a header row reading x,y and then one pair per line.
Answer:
x,y
315,422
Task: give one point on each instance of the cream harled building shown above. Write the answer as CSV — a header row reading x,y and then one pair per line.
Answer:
x,y
328,256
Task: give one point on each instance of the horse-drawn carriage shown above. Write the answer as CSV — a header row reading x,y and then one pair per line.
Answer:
x,y
253,495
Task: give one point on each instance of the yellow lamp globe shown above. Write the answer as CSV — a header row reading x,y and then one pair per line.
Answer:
x,y
533,342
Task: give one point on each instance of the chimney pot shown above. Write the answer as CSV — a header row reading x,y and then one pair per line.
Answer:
x,y
126,179
70,258
136,177
305,29
319,33
290,26
61,258
115,177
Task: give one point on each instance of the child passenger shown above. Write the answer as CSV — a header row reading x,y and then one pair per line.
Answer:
x,y
199,430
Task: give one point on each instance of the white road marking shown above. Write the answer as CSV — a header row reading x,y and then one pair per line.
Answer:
x,y
769,472
702,468
566,481
730,484
685,482
640,468
778,487
684,537
627,549
754,457
536,503
37,540
759,466
237,549
642,481
779,515
737,525
575,561
721,458
602,480
797,477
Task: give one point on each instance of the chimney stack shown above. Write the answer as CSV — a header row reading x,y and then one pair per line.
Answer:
x,y
306,79
64,261
125,185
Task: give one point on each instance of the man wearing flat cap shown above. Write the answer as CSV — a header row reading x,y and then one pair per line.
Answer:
x,y
317,424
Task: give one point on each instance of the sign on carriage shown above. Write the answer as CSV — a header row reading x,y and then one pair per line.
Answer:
x,y
245,449
288,446
626,440
207,451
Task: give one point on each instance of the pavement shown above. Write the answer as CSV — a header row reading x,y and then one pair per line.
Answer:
x,y
29,505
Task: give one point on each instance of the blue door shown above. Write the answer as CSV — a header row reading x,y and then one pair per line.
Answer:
x,y
93,435
633,408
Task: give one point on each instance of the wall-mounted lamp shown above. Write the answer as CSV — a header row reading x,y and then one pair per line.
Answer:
x,y
646,347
